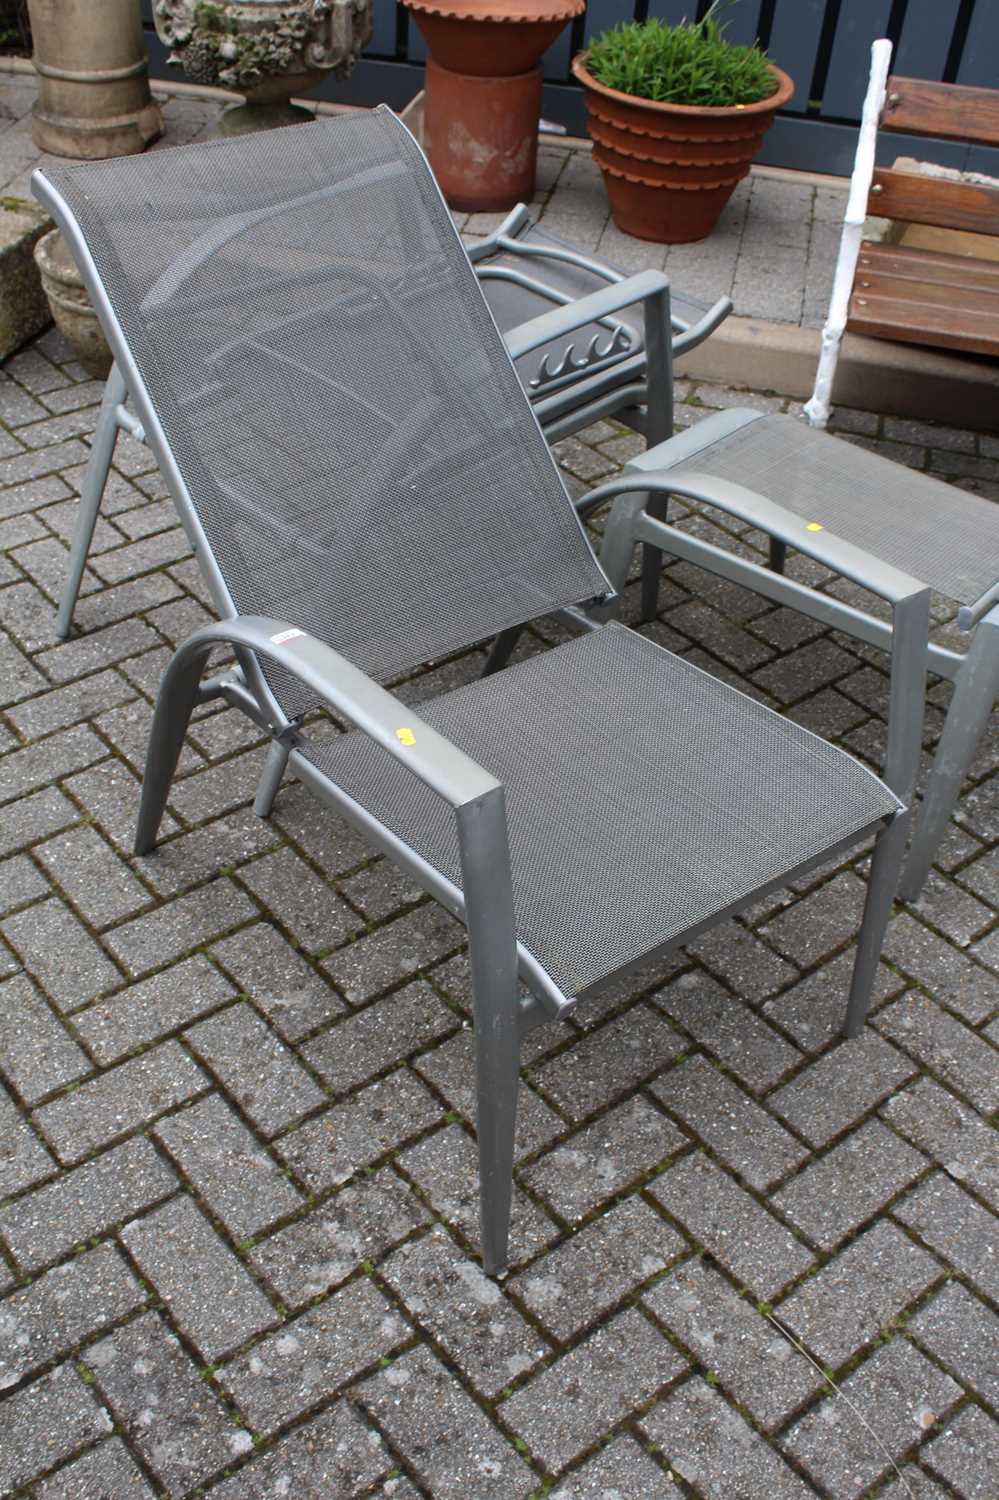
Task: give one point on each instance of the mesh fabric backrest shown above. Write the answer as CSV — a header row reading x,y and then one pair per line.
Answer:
x,y
357,446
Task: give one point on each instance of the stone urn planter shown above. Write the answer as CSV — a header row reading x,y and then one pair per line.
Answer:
x,y
670,168
483,94
93,79
71,308
264,50
23,308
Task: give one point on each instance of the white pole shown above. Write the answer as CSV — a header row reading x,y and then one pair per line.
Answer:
x,y
817,409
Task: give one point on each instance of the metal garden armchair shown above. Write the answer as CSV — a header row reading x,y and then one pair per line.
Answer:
x,y
898,518
359,508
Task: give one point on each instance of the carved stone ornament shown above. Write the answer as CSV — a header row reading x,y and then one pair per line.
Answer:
x,y
261,49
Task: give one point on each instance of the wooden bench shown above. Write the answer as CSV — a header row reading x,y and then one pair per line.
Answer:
x,y
923,296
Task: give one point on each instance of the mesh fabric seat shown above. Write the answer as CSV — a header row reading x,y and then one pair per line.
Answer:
x,y
917,523
596,783
354,458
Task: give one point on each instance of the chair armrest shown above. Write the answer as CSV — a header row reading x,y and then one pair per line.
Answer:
x,y
477,798
809,537
969,615
699,331
599,304
350,692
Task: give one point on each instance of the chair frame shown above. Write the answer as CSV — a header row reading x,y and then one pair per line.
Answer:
x,y
974,673
485,901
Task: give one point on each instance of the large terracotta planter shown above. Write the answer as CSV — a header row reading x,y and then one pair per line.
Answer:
x,y
483,94
669,169
93,79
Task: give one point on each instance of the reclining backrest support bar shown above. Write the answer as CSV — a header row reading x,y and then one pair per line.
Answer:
x,y
316,369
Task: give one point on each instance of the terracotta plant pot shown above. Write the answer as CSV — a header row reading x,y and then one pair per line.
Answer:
x,y
491,38
483,94
669,169
495,165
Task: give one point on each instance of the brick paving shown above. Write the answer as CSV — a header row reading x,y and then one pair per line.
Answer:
x,y
237,1184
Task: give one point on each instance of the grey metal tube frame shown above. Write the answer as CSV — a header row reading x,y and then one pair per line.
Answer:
x,y
125,374
628,389
974,673
688,335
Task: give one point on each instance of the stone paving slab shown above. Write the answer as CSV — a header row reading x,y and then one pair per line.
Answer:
x,y
238,1240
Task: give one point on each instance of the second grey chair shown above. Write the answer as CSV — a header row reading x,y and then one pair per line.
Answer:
x,y
366,489
599,369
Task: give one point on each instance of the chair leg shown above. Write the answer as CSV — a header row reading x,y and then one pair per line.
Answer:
x,y
497,1065
618,546
652,561
502,649
175,703
882,882
976,688
270,778
492,943
94,480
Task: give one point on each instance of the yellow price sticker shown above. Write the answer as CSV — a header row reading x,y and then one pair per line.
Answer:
x,y
405,736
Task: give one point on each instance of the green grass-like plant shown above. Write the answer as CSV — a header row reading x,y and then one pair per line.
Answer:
x,y
690,63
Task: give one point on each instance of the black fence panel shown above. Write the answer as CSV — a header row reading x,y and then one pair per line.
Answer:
x,y
823,44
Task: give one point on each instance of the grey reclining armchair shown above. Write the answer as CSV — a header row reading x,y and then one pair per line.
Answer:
x,y
903,518
366,488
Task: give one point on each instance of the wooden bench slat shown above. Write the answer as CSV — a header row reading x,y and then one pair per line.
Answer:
x,y
927,265
919,199
906,322
975,302
952,111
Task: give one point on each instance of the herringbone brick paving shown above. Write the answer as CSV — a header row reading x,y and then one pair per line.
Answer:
x,y
237,1182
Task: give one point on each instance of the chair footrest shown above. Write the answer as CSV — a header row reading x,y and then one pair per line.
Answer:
x,y
928,529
